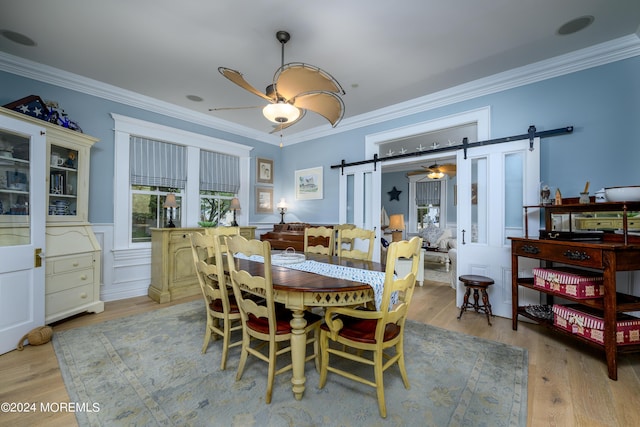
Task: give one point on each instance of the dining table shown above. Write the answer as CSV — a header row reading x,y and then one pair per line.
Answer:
x,y
300,290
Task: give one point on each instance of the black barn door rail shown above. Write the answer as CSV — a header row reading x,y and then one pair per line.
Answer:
x,y
531,134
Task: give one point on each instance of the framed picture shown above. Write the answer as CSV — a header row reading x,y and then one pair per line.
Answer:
x,y
264,200
264,171
308,184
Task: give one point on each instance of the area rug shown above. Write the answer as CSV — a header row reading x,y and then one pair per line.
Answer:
x,y
148,370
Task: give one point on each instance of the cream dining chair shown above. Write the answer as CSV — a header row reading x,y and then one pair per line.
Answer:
x,y
374,331
223,315
261,322
352,238
337,229
316,233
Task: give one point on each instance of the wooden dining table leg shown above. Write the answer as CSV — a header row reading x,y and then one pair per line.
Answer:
x,y
298,352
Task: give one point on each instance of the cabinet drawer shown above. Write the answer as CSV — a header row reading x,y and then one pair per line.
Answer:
x,y
606,224
68,264
71,279
588,257
180,239
69,299
248,234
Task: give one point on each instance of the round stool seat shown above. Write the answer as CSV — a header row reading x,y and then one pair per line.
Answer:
x,y
476,282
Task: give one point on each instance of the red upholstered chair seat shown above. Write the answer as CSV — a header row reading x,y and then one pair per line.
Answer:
x,y
216,305
283,325
363,330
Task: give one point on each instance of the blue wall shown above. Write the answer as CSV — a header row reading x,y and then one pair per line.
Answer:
x,y
93,116
602,103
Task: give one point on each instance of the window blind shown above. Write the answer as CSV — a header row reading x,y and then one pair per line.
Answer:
x,y
219,172
427,193
156,163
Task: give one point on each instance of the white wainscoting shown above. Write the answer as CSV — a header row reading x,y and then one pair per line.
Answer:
x,y
126,273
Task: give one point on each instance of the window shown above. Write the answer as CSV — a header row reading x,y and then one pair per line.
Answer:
x,y
214,208
147,210
428,203
157,168
170,160
219,183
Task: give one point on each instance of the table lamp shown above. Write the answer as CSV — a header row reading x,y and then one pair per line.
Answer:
x,y
396,226
235,206
170,204
282,206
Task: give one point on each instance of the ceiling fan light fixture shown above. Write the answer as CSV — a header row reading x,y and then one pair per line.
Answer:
x,y
435,175
281,112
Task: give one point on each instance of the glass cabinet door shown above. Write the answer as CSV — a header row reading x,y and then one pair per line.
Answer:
x,y
63,181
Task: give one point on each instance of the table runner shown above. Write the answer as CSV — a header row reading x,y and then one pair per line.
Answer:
x,y
375,279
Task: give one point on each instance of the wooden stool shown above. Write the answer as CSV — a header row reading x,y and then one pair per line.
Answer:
x,y
475,282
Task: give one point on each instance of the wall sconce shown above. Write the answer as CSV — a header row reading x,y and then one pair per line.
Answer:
x,y
396,226
170,204
282,206
235,206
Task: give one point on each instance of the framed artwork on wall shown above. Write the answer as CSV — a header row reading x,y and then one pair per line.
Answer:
x,y
308,183
264,172
264,200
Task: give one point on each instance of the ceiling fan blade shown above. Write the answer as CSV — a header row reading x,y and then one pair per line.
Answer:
x,y
236,77
281,126
327,104
235,108
296,78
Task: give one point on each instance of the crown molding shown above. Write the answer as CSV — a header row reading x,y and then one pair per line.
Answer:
x,y
46,74
601,54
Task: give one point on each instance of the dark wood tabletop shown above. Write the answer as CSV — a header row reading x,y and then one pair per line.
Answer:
x,y
289,279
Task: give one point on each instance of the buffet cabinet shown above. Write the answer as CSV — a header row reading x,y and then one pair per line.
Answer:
x,y
605,252
72,253
173,274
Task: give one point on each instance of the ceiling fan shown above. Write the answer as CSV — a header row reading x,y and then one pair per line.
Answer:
x,y
296,87
436,171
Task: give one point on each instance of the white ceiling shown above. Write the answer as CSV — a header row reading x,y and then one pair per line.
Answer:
x,y
382,52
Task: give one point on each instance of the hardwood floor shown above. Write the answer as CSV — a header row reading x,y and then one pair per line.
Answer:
x,y
567,386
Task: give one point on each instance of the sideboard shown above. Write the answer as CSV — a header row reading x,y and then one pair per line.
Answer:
x,y
173,274
607,252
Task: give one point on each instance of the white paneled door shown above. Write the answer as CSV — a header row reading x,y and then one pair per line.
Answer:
x,y
494,183
360,199
22,229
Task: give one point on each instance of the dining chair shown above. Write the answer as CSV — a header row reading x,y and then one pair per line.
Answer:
x,y
337,229
351,237
223,315
261,321
315,233
374,330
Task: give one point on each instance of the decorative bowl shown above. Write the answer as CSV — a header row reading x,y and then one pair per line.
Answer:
x,y
623,194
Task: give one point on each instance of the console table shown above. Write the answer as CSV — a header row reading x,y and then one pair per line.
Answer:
x,y
291,235
173,274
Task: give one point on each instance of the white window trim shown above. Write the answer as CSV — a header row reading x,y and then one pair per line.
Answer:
x,y
124,127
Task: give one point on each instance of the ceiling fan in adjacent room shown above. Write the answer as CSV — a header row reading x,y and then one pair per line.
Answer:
x,y
296,88
436,171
